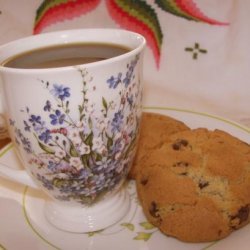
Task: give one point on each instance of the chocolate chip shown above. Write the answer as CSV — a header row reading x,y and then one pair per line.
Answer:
x,y
153,210
175,146
184,173
242,214
181,164
144,181
179,144
202,184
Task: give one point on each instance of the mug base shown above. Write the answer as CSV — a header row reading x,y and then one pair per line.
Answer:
x,y
88,219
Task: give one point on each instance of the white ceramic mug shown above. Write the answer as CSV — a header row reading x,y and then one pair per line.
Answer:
x,y
75,128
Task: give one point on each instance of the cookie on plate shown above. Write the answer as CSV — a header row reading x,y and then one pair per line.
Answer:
x,y
155,129
196,186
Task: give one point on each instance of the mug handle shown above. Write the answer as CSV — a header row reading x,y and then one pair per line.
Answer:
x,y
20,176
3,127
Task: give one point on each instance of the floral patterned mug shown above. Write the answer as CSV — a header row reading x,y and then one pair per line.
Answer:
x,y
75,128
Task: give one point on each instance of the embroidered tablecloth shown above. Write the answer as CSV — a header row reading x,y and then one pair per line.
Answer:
x,y
197,56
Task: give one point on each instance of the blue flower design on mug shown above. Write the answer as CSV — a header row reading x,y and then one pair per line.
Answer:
x,y
82,159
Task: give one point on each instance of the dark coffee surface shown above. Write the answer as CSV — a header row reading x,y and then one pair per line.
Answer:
x,y
64,55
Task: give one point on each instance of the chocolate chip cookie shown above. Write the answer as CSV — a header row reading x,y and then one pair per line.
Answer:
x,y
196,186
155,129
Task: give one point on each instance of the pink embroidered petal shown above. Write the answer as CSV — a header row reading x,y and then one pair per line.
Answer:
x,y
191,8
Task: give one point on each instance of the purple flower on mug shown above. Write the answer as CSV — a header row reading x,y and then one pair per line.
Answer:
x,y
61,92
84,173
52,166
128,78
47,106
130,100
26,126
12,122
39,127
58,167
46,183
117,121
129,74
26,145
24,141
57,117
35,119
114,81
45,136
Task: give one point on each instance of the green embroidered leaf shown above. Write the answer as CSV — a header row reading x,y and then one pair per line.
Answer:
x,y
129,226
146,225
171,7
143,236
188,10
53,11
141,17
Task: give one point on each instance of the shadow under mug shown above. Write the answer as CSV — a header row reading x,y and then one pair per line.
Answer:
x,y
75,128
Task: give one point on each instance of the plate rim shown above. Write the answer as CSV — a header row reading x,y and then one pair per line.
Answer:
x,y
10,146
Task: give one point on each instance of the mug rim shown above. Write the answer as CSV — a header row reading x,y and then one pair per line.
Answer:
x,y
62,37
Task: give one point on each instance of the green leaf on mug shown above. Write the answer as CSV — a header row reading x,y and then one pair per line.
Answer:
x,y
109,142
46,148
98,157
90,123
73,152
80,108
130,147
143,236
129,226
89,139
104,103
82,136
81,117
58,182
85,160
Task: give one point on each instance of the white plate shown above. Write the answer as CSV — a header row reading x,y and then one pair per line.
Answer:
x,y
23,226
